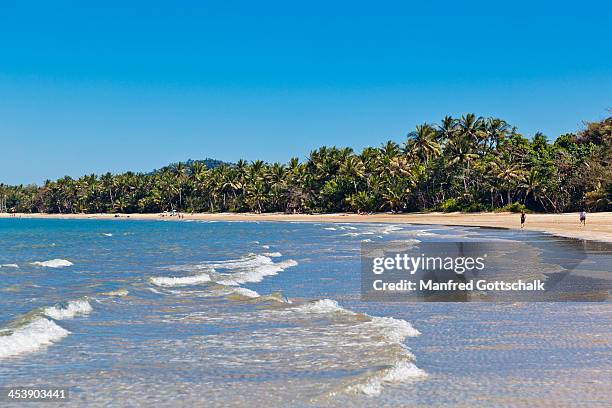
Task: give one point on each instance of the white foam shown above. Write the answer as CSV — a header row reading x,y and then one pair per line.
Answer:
x,y
106,234
53,263
70,310
31,337
330,229
227,282
356,234
323,306
9,266
180,281
389,229
155,291
246,292
252,268
394,330
249,261
401,371
265,246
247,269
120,292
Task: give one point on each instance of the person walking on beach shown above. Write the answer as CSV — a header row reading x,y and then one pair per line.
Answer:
x,y
523,217
583,218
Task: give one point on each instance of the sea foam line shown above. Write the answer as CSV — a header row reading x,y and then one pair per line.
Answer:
x,y
401,371
247,269
255,272
53,263
29,338
170,281
323,306
69,310
391,330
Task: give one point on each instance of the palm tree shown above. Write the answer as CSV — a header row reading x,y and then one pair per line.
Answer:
x,y
496,130
472,128
471,161
509,174
447,129
353,169
108,183
423,142
460,151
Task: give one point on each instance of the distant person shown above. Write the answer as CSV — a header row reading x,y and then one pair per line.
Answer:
x,y
523,217
583,218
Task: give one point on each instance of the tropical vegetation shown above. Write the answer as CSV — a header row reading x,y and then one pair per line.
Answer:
x,y
460,164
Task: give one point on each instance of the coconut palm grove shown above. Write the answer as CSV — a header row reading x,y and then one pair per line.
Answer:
x,y
460,164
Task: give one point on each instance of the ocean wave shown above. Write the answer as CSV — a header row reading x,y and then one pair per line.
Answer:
x,y
255,273
30,337
180,281
323,306
107,234
401,371
68,310
386,332
53,263
119,292
9,266
340,228
235,272
377,231
357,234
248,261
155,291
392,329
390,229
245,292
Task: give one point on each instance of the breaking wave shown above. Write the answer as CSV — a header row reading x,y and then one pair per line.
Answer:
x,y
401,371
119,292
171,281
53,263
385,331
244,292
68,310
323,306
233,272
258,268
395,330
30,337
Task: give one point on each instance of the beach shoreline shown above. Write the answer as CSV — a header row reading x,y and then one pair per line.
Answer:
x,y
598,228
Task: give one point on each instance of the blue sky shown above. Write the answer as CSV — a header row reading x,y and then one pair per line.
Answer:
x,y
113,87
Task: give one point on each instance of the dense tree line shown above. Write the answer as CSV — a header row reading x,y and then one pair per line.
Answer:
x,y
468,164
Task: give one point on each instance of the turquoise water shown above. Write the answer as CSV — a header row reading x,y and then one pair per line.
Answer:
x,y
131,313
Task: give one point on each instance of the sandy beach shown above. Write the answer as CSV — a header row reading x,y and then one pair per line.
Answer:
x,y
598,228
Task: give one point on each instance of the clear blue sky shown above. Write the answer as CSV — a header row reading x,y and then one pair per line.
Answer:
x,y
113,87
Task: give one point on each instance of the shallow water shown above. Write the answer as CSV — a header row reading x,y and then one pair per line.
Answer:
x,y
269,314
